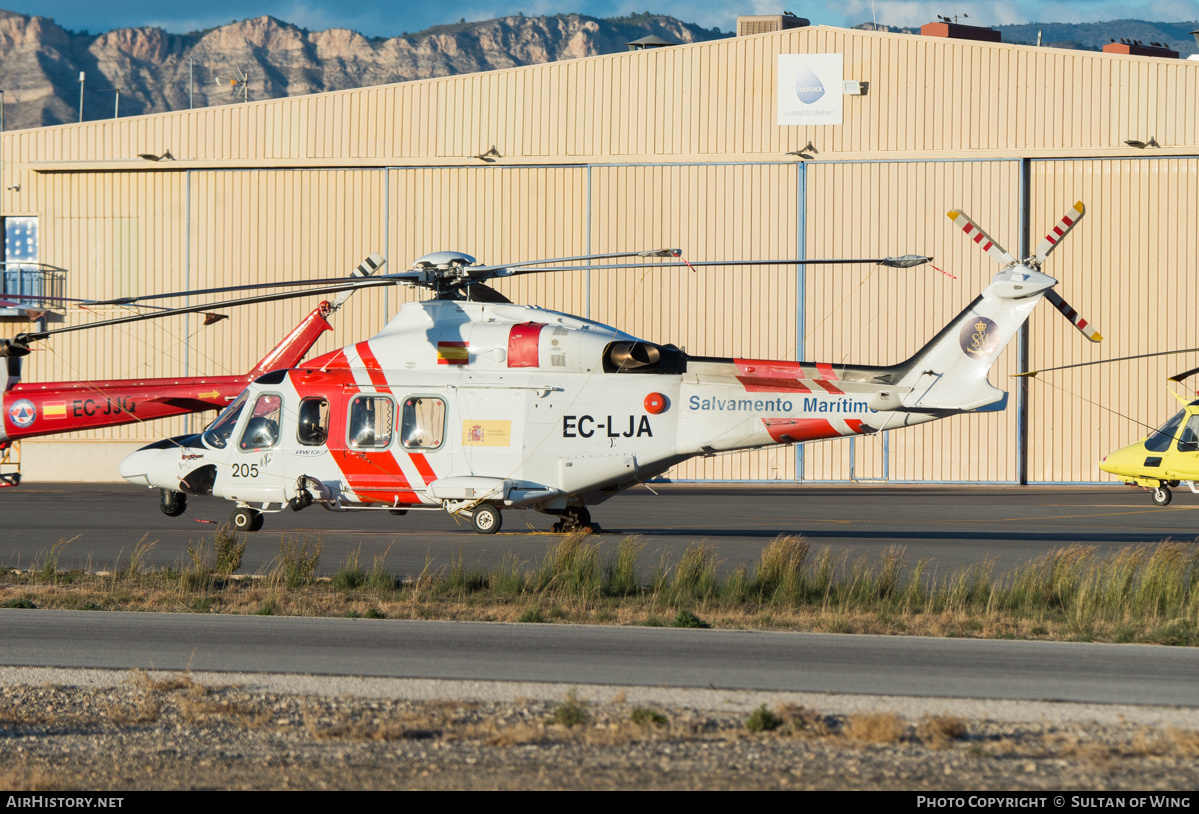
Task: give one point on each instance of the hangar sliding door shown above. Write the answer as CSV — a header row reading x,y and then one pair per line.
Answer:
x,y
710,212
1132,268
876,315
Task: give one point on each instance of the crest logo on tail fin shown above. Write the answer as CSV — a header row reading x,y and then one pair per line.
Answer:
x,y
979,338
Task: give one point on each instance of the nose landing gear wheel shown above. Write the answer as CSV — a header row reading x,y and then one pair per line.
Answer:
x,y
172,503
487,520
246,519
1162,496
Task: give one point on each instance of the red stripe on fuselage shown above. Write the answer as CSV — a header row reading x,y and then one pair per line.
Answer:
x,y
796,430
423,467
765,375
373,368
366,473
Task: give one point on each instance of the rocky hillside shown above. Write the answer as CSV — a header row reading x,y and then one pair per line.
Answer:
x,y
40,61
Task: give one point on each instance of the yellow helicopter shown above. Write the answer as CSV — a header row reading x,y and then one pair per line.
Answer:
x,y
1166,457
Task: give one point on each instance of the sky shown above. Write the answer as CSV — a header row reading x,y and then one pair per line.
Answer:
x,y
387,18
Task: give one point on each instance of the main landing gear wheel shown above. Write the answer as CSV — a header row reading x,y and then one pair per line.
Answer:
x,y
1162,496
487,520
172,503
575,518
246,519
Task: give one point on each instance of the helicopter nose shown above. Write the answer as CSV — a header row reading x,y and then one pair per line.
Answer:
x,y
1123,460
144,467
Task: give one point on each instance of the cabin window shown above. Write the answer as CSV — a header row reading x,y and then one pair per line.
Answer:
x,y
217,435
262,430
1159,440
423,422
1189,440
314,422
371,420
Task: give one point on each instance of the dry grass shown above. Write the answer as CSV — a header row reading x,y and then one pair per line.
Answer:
x,y
940,731
24,780
144,711
1184,743
875,727
1142,594
801,722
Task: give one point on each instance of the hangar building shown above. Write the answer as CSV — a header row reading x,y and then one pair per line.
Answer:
x,y
685,146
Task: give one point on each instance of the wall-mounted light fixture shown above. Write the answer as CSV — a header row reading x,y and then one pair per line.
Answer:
x,y
490,156
166,156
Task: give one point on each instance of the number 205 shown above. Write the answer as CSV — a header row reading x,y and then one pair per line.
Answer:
x,y
245,470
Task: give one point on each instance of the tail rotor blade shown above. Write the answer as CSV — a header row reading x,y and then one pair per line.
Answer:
x,y
975,233
1084,327
1059,231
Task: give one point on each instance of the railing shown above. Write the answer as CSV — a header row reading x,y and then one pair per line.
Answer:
x,y
26,287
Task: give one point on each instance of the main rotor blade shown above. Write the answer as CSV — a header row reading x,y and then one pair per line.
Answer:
x,y
975,233
321,283
1068,221
345,285
400,276
1031,373
1084,327
1178,377
579,258
906,261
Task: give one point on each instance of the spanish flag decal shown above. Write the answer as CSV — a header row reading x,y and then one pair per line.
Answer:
x,y
452,353
55,410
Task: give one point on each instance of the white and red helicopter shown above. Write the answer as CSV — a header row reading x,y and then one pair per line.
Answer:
x,y
470,404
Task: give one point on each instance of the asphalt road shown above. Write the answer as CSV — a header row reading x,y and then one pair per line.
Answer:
x,y
946,525
626,656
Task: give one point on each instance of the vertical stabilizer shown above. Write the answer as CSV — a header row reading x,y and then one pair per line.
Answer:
x,y
950,372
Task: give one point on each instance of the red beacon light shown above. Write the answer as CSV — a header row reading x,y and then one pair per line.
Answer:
x,y
655,403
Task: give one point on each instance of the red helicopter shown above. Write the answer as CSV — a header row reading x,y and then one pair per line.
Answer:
x,y
48,408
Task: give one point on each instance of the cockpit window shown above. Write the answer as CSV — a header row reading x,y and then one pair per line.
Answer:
x,y
314,422
1159,440
262,430
1189,440
423,422
371,422
217,436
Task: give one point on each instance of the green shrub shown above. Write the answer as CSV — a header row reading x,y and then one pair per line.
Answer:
x,y
763,720
349,575
686,618
297,561
571,712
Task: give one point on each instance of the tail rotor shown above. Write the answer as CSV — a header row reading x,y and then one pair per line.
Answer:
x,y
1048,244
